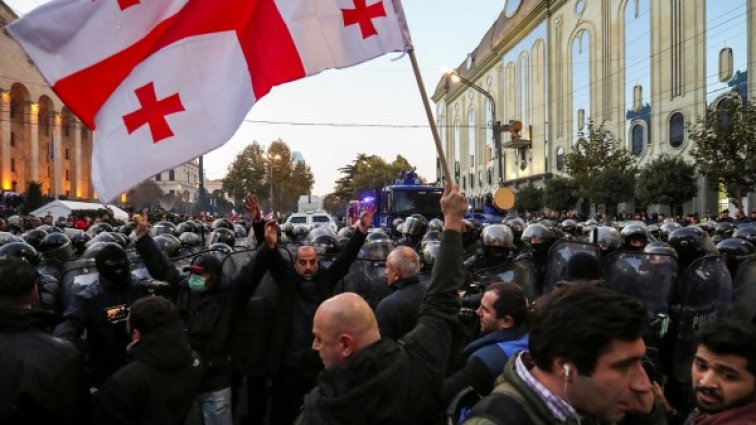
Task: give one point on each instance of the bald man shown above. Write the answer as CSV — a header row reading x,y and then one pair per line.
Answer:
x,y
369,379
397,313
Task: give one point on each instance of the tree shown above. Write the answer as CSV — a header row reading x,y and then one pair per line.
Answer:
x,y
368,174
667,181
596,150
247,174
290,179
528,198
612,186
334,205
34,198
725,148
146,194
558,194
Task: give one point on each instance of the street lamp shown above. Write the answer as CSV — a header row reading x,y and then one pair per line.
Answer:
x,y
455,77
270,162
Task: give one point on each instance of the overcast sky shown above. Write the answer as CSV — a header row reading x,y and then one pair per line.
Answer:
x,y
380,92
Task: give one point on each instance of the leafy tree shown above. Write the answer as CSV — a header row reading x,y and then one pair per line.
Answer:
x,y
528,198
612,186
558,194
725,148
145,195
667,181
219,205
290,179
34,198
334,205
596,150
369,173
247,174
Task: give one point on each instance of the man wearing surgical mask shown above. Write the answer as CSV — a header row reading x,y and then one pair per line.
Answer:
x,y
102,309
208,303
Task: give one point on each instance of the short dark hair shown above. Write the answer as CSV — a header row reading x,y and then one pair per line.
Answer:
x,y
150,313
579,322
511,301
18,279
731,337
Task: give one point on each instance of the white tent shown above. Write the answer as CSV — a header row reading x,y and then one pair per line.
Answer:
x,y
58,208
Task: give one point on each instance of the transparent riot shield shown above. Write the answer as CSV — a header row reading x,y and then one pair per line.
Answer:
x,y
559,256
76,275
706,297
521,271
647,277
744,292
367,279
234,262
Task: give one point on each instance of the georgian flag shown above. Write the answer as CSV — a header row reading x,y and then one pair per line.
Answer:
x,y
164,81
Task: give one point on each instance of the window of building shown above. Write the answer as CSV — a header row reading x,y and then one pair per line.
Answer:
x,y
489,132
581,81
172,192
676,129
67,154
158,177
66,130
13,165
637,63
472,137
67,176
171,176
457,145
560,158
636,136
13,139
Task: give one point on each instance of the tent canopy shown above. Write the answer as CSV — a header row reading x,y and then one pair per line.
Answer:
x,y
58,208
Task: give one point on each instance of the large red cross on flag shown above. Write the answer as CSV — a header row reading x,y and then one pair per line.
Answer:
x,y
163,82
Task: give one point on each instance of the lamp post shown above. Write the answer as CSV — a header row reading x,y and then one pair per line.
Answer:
x,y
495,124
270,163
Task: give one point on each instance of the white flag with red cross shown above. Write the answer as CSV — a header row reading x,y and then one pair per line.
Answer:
x,y
164,81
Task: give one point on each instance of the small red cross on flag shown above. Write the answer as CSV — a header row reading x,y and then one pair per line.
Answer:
x,y
363,15
153,112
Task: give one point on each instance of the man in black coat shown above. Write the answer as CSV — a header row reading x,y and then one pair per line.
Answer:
x,y
374,380
301,289
397,313
42,376
160,382
208,303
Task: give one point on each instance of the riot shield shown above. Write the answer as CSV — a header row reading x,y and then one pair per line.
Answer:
x,y
559,256
76,275
647,277
234,262
744,293
367,279
521,271
706,297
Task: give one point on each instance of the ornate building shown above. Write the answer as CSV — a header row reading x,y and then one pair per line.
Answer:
x,y
40,140
645,68
182,181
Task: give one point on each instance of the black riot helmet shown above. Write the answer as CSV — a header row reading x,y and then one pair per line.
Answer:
x,y
498,240
93,249
606,238
103,237
186,226
569,226
6,237
126,229
540,237
167,244
691,243
56,246
324,241
47,228
113,264
240,231
430,253
377,246
34,237
736,246
300,232
746,232
163,227
220,250
431,236
473,228
660,248
635,236
710,227
98,228
79,241
20,250
222,223
666,229
725,229
415,225
517,225
120,239
436,225
189,240
223,235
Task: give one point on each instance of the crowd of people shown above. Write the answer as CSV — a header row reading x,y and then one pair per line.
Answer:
x,y
550,321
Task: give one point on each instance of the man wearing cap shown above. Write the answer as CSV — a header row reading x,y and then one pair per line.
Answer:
x,y
725,217
207,302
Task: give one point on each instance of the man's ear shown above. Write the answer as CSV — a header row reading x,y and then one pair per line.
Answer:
x,y
135,335
346,345
506,322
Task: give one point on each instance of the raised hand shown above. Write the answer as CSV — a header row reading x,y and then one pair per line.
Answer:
x,y
366,218
141,225
271,234
252,206
454,207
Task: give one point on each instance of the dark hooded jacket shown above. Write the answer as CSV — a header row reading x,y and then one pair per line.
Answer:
x,y
397,313
158,384
393,382
42,376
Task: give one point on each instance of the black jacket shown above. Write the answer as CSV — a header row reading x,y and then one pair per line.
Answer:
x,y
107,337
289,338
397,313
157,386
42,377
209,316
392,382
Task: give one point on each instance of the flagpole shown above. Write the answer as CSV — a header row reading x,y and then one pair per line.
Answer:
x,y
429,114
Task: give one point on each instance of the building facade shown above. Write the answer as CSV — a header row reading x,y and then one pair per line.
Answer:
x,y
40,139
182,181
646,69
